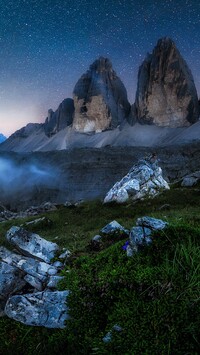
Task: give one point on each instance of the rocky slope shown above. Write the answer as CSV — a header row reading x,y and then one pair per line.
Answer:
x,y
166,94
100,99
136,136
32,178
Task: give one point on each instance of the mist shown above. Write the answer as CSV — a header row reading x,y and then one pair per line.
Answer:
x,y
22,179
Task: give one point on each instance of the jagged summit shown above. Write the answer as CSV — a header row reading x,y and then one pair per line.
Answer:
x,y
101,65
100,99
166,93
166,97
165,42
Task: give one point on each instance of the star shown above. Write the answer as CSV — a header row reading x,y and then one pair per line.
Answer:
x,y
47,45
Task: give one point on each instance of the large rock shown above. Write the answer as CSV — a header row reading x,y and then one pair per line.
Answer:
x,y
11,280
31,243
46,309
59,119
23,274
151,223
100,99
37,269
144,180
141,235
166,94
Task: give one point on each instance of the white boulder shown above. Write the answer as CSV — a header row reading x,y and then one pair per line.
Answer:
x,y
144,180
31,244
44,309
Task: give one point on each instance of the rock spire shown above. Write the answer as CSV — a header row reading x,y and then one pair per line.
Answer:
x,y
100,99
166,93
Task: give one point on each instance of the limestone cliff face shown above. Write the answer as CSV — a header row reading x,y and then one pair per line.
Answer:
x,y
166,94
61,118
100,99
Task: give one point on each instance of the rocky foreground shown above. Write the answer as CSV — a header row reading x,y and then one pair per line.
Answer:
x,y
112,290
44,305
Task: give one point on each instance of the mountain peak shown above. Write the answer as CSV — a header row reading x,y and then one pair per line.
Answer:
x,y
166,93
100,99
101,64
165,41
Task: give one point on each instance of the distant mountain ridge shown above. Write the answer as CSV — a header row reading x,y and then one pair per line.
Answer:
x,y
2,138
100,114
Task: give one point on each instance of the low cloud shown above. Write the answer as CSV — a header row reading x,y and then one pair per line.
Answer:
x,y
20,180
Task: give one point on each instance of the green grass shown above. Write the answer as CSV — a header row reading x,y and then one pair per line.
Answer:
x,y
154,296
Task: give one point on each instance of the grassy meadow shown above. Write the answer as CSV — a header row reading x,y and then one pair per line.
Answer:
x,y
154,297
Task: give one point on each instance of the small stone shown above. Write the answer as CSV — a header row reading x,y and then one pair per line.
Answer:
x,y
152,223
189,181
97,238
117,328
66,254
114,227
108,338
130,251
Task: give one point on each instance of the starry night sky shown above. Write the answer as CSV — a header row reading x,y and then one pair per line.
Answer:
x,y
46,45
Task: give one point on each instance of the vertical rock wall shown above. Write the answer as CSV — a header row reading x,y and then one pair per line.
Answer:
x,y
100,99
166,94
